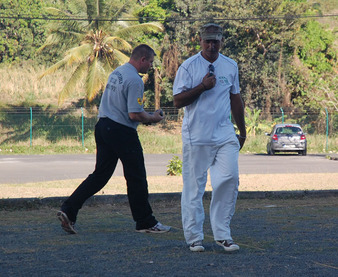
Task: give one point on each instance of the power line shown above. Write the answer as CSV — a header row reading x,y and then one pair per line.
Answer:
x,y
148,19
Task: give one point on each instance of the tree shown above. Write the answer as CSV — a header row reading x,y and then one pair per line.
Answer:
x,y
266,49
314,69
156,10
263,48
100,46
315,47
178,43
19,38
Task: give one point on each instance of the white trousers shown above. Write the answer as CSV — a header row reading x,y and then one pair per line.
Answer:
x,y
223,164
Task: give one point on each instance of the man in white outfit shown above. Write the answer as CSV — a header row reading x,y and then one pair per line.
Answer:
x,y
207,85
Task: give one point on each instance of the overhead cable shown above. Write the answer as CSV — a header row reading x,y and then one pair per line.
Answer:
x,y
152,19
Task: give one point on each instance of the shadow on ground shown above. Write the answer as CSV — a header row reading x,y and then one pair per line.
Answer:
x,y
278,237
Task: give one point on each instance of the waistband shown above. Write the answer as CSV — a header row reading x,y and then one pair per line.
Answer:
x,y
111,122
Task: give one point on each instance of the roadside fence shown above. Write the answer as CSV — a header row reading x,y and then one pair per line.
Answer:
x,y
29,123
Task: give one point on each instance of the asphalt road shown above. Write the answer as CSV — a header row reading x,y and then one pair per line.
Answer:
x,y
39,168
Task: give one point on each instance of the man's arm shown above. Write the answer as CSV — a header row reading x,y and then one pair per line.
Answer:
x,y
145,117
187,97
237,108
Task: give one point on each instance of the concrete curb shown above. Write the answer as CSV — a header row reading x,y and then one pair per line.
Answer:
x,y
34,203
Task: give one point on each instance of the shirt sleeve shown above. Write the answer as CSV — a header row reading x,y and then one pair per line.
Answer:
x,y
183,81
135,96
235,85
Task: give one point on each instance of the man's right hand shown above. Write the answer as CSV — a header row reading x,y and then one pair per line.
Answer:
x,y
209,82
147,118
158,115
187,97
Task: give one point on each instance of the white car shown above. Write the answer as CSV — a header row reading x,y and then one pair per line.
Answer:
x,y
286,138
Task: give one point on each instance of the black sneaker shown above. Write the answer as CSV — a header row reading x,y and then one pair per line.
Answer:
x,y
197,246
158,228
66,224
228,245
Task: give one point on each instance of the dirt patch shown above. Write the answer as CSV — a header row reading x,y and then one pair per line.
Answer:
x,y
169,184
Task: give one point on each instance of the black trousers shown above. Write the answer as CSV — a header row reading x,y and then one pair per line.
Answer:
x,y
115,141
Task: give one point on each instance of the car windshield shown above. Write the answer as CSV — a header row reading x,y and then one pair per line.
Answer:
x,y
288,130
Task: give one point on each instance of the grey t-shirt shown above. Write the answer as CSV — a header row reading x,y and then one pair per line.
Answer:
x,y
123,94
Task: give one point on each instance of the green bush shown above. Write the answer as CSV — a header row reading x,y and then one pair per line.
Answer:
x,y
174,167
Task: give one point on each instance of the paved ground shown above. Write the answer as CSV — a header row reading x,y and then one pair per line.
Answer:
x,y
280,234
287,235
20,169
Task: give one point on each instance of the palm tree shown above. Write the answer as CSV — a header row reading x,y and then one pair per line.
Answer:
x,y
96,52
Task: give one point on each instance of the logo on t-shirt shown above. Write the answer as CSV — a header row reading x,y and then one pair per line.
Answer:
x,y
223,81
140,101
119,76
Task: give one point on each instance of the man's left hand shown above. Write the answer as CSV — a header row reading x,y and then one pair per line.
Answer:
x,y
241,141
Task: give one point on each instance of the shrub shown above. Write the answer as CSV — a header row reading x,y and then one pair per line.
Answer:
x,y
174,167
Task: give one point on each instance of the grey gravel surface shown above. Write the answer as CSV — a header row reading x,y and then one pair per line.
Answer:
x,y
278,236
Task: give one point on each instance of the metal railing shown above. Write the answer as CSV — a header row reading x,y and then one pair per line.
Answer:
x,y
21,124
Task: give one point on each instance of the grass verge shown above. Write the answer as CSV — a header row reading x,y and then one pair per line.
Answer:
x,y
169,184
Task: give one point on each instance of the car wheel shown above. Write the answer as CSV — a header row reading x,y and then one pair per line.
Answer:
x,y
272,152
268,149
304,152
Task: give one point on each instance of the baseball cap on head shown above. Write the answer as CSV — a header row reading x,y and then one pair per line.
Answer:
x,y
211,31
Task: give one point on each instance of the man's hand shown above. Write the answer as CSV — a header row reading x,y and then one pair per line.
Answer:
x,y
187,97
241,141
158,115
208,82
147,118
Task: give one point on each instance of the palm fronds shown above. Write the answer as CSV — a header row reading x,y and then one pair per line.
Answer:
x,y
94,52
119,43
126,32
96,79
54,68
74,55
120,57
69,88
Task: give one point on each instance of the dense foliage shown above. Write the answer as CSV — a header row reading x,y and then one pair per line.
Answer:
x,y
284,60
96,46
19,38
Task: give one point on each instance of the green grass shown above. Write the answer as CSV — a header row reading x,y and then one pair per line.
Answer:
x,y
155,140
59,131
158,140
20,84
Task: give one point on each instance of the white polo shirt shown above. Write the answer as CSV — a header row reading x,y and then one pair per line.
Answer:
x,y
207,120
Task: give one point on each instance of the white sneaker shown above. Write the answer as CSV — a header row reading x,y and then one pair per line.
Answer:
x,y
197,246
228,245
157,229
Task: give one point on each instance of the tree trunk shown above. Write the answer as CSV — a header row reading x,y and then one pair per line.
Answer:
x,y
157,88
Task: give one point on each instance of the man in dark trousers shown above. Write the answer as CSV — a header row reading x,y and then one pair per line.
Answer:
x,y
120,112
